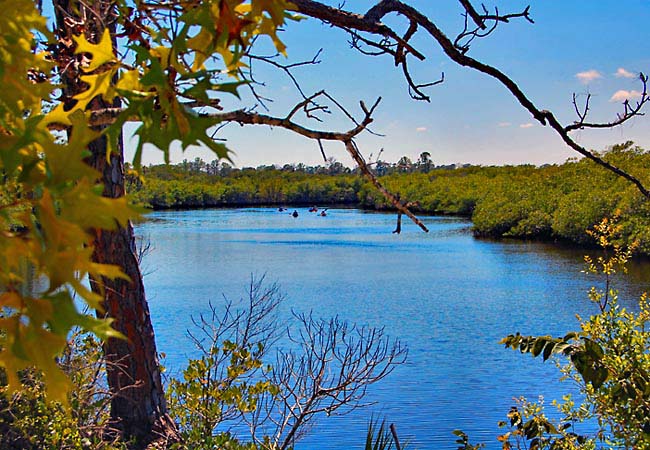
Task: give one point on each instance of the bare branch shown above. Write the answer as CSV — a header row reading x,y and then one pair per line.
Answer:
x,y
309,106
629,111
415,90
592,156
286,68
398,47
401,209
476,17
582,114
347,138
251,327
465,37
371,23
329,372
322,150
384,46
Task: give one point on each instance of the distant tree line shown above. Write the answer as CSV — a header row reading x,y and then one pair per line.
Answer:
x,y
554,201
424,164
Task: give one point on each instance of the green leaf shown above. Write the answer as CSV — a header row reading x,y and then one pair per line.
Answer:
x,y
592,348
231,88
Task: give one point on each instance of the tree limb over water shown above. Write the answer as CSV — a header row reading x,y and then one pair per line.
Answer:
x,y
371,36
371,23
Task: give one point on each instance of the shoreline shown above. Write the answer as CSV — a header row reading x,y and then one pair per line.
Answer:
x,y
556,241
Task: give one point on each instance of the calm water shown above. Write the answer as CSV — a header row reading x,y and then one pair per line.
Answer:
x,y
447,296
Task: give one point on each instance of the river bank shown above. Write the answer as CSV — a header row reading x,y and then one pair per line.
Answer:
x,y
549,203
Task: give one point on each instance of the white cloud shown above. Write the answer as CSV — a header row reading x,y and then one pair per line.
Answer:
x,y
421,129
503,124
526,125
588,76
622,73
622,95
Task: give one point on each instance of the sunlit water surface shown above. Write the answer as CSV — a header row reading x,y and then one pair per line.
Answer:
x,y
448,296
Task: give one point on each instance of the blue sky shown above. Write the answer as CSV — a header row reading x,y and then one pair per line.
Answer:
x,y
595,47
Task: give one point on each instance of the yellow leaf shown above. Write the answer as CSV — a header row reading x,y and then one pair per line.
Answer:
x,y
104,330
87,209
66,162
181,120
163,54
108,270
36,346
97,85
43,347
57,115
168,58
101,53
39,310
93,299
201,45
243,8
130,81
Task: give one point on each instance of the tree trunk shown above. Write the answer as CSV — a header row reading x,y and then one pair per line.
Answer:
x,y
138,407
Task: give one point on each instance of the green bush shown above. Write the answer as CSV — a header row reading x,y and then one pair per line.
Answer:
x,y
29,421
608,358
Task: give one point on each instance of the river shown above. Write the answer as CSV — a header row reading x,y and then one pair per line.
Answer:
x,y
446,295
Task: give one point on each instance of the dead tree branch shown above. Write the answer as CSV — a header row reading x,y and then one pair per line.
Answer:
x,y
329,372
371,23
250,327
399,47
327,369
286,68
629,110
481,30
311,108
347,138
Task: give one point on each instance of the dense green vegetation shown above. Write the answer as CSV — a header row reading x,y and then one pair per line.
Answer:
x,y
180,187
548,202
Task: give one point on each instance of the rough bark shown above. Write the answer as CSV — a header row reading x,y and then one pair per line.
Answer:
x,y
138,406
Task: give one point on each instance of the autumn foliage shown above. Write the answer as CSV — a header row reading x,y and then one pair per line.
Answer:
x,y
50,199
